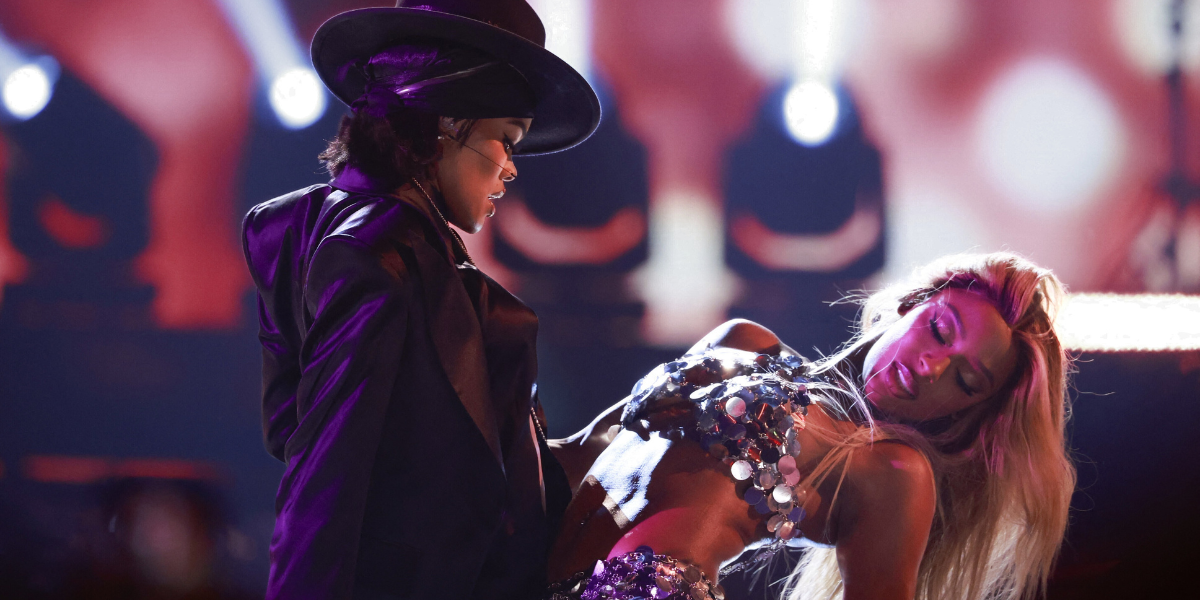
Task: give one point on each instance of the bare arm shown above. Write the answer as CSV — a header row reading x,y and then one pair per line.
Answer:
x,y
577,452
883,522
741,334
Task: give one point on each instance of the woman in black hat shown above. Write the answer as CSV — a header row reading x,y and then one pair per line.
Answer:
x,y
398,379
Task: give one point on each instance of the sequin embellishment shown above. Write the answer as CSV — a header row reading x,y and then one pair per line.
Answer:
x,y
748,412
639,574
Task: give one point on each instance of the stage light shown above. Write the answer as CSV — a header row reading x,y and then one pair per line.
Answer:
x,y
568,31
295,94
1143,28
27,91
815,38
801,39
685,283
810,111
1130,322
1049,137
298,98
761,32
28,82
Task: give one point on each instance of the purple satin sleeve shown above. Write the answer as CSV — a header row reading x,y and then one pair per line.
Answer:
x,y
272,246
281,375
358,300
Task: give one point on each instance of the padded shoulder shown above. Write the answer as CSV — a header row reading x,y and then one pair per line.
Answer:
x,y
374,221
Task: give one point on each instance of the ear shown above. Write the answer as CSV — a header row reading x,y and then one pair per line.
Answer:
x,y
448,127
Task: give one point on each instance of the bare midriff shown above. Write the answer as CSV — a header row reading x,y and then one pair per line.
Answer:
x,y
692,511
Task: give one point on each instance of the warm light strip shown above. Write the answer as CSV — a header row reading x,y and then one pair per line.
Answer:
x,y
1130,322
90,469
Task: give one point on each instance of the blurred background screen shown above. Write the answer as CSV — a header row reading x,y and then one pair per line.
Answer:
x,y
756,158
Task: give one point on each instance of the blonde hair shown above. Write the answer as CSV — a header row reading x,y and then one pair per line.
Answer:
x,y
1002,471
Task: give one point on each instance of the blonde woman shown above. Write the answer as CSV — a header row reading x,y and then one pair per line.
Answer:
x,y
926,459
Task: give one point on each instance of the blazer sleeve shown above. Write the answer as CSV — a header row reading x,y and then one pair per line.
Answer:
x,y
358,300
280,347
280,376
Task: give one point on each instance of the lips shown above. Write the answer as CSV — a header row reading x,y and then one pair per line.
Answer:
x,y
902,381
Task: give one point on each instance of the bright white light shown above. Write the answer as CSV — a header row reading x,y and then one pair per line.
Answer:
x,y
27,91
1144,30
685,283
568,31
1130,323
298,98
815,42
296,95
1048,136
924,222
267,33
801,39
810,111
762,35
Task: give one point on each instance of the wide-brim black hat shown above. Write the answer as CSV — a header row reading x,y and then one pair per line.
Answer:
x,y
567,110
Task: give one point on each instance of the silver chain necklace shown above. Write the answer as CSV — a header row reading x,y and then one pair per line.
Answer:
x,y
461,245
532,409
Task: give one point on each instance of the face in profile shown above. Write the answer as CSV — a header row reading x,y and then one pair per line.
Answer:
x,y
946,354
471,172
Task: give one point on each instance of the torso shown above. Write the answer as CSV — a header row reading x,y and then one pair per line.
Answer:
x,y
669,494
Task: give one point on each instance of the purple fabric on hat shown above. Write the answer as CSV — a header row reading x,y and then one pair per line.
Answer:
x,y
457,83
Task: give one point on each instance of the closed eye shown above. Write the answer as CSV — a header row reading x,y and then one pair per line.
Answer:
x,y
937,335
962,383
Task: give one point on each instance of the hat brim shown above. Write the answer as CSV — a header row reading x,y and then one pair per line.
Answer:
x,y
567,110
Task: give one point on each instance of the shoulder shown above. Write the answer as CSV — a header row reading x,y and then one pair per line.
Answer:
x,y
883,520
283,210
377,221
889,478
276,230
888,467
739,334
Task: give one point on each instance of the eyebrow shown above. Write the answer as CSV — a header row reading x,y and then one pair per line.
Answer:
x,y
979,366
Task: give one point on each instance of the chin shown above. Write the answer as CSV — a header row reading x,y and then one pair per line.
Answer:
x,y
882,405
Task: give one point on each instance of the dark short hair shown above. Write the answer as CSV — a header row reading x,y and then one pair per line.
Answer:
x,y
400,145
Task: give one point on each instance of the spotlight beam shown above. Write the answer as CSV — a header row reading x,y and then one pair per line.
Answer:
x,y
266,32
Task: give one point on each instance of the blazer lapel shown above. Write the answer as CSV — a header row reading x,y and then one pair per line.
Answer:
x,y
458,339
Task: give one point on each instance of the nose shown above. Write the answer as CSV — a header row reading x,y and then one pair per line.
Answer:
x,y
508,172
931,366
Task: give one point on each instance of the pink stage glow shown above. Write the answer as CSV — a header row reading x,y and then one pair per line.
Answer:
x,y
552,245
177,71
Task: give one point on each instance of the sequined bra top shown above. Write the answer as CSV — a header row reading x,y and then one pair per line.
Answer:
x,y
748,410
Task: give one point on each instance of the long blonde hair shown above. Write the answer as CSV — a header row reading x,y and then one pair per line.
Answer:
x,y
1003,475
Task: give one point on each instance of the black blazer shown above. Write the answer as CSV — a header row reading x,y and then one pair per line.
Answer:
x,y
411,471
